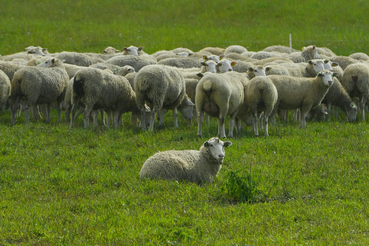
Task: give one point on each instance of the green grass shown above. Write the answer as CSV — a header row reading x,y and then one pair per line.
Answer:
x,y
62,186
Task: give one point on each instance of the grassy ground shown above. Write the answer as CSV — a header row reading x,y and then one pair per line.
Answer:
x,y
62,186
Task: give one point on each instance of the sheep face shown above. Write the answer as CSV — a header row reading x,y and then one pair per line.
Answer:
x,y
351,113
51,62
209,66
35,50
132,50
216,148
225,66
258,71
327,77
212,57
186,109
318,65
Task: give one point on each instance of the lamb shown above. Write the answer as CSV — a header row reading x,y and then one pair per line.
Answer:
x,y
355,80
219,95
161,87
301,93
43,84
137,62
4,90
187,165
100,89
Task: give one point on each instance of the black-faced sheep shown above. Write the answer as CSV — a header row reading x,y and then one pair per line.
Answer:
x,y
187,165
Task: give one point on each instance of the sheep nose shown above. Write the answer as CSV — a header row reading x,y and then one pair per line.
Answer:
x,y
221,156
330,82
230,69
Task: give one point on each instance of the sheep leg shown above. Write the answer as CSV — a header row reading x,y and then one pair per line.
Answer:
x,y
362,107
152,119
47,107
35,113
160,116
14,110
116,118
303,113
329,108
266,133
200,118
26,113
175,117
256,128
67,114
221,127
87,116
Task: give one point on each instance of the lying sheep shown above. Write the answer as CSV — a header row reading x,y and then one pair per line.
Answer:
x,y
43,84
187,165
355,80
301,93
100,89
219,95
161,87
4,90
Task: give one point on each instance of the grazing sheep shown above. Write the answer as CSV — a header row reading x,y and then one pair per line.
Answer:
x,y
161,87
301,93
100,89
355,80
4,90
43,84
219,95
137,62
338,96
187,165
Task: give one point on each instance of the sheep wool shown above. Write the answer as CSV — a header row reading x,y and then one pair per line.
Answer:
x,y
187,165
4,90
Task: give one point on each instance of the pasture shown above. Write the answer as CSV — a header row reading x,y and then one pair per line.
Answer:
x,y
73,186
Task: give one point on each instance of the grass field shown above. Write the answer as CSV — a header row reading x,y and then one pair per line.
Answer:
x,y
62,186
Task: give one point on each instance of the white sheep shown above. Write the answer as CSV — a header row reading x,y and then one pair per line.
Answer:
x,y
355,80
110,50
161,87
225,65
76,58
301,93
199,167
137,62
100,89
123,71
219,95
181,62
43,84
235,49
4,90
133,50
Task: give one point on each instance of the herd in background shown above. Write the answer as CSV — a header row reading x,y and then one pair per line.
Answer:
x,y
250,87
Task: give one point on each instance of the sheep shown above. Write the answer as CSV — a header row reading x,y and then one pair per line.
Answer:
x,y
301,93
137,62
192,73
279,48
181,62
319,113
103,66
219,95
123,71
42,84
355,80
110,50
212,57
4,90
343,61
160,87
239,57
225,65
100,89
260,55
359,56
338,96
199,167
75,58
235,49
9,68
260,96
309,69
213,50
310,52
132,50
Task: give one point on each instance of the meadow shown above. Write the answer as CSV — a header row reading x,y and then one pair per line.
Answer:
x,y
63,186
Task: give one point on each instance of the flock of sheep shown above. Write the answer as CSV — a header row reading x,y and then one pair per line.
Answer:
x,y
249,87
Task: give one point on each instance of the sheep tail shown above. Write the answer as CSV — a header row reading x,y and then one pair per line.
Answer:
x,y
207,85
355,78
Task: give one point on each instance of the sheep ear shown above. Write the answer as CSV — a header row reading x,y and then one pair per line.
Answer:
x,y
233,64
310,62
335,64
335,74
200,75
268,69
352,105
221,57
219,64
250,69
205,58
320,74
203,63
140,48
227,143
206,144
